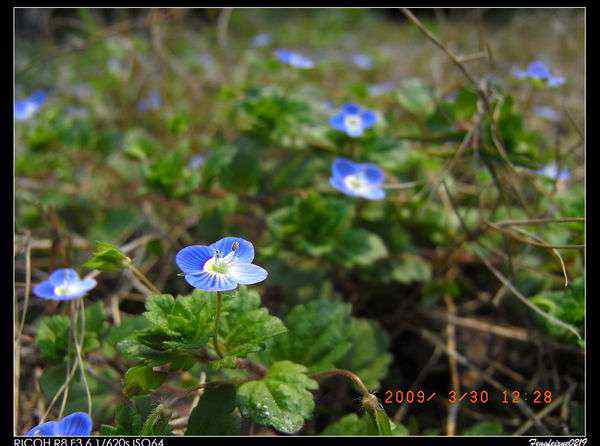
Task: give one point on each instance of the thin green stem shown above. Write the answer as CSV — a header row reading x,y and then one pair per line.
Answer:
x,y
140,275
348,374
217,322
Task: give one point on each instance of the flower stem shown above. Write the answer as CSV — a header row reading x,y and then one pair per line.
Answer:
x,y
348,374
140,275
217,322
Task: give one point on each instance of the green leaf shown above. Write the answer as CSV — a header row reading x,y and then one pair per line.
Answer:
x,y
52,338
142,379
107,257
485,428
353,425
411,268
214,414
359,247
282,399
568,305
180,329
368,357
317,335
322,335
139,416
416,97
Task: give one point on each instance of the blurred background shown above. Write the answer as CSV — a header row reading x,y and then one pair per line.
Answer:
x,y
182,126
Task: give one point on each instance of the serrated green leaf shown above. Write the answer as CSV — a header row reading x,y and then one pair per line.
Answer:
x,y
52,338
317,335
282,399
368,357
107,257
214,414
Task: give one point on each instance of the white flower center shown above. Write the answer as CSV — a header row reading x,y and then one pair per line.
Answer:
x,y
357,183
66,289
218,264
353,123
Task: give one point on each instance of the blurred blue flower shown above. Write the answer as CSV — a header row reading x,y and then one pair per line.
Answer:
x,y
196,161
63,284
357,180
294,59
353,120
551,171
26,108
220,266
362,61
262,39
78,424
380,89
152,102
539,70
547,113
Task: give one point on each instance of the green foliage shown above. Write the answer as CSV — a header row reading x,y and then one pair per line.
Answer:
x,y
53,338
281,399
322,335
485,428
139,416
354,425
142,379
416,97
180,331
567,305
215,413
107,257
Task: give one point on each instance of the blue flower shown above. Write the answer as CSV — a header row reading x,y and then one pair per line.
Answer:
x,y
63,284
78,424
220,266
353,120
196,162
551,171
539,70
152,102
362,61
357,180
262,39
26,108
294,59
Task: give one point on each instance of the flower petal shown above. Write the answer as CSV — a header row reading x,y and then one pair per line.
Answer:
x,y
374,174
369,119
192,258
343,167
47,429
355,131
38,97
339,184
45,290
210,281
373,193
243,253
74,425
247,273
351,108
338,122
62,275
